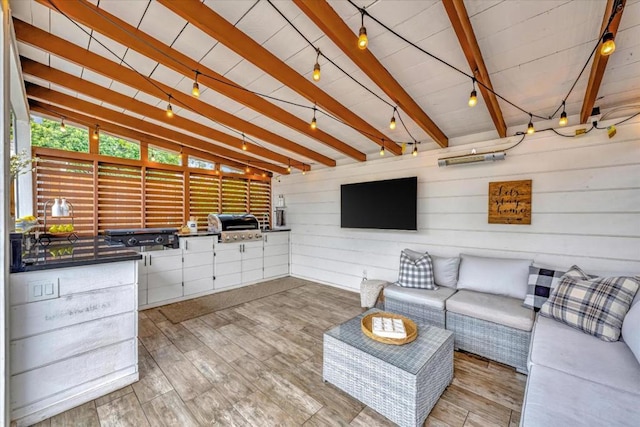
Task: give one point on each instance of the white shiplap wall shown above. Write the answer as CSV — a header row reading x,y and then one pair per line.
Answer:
x,y
586,208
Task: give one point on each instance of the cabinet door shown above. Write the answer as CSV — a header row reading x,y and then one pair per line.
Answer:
x,y
197,244
228,265
276,254
252,262
142,280
170,259
164,275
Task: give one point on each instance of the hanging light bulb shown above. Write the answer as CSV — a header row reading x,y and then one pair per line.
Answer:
x,y
63,128
415,150
316,68
563,117
244,143
382,148
169,108
247,169
363,41
392,123
196,87
530,129
304,170
96,132
314,124
264,175
608,44
289,166
473,98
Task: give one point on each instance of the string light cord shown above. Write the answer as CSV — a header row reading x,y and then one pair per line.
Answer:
x,y
618,123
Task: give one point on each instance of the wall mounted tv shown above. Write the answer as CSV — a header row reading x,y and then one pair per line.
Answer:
x,y
390,204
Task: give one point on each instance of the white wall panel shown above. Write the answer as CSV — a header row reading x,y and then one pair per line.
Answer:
x,y
586,208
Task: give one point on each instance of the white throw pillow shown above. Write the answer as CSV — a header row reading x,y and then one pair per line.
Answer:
x,y
445,270
631,330
499,276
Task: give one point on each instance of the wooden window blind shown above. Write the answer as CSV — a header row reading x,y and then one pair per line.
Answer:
x,y
71,179
204,197
260,201
119,197
235,195
164,198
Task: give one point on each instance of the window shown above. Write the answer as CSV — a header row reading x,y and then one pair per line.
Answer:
x,y
46,133
161,155
197,163
118,147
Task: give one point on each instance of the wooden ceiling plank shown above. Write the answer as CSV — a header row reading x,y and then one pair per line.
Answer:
x,y
85,13
36,69
59,47
599,64
73,117
223,31
49,96
461,24
325,18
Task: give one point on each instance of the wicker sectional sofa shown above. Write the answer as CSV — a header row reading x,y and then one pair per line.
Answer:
x,y
481,303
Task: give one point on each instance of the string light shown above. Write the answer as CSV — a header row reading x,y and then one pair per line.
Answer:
x,y
63,128
247,169
563,117
316,68
530,129
415,150
363,41
244,143
608,44
289,166
304,170
196,87
169,108
473,98
96,132
314,123
382,148
392,123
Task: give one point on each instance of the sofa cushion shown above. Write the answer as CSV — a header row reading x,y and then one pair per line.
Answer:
x,y
559,346
492,308
445,270
499,276
631,330
541,282
556,399
416,270
431,298
595,306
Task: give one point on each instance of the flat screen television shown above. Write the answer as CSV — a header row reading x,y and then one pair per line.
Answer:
x,y
390,204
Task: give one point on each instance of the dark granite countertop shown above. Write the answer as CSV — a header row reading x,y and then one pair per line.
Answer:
x,y
63,253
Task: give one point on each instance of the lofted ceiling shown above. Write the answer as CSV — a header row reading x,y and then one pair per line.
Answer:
x,y
115,62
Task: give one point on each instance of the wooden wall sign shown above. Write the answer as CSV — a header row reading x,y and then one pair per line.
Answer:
x,y
510,202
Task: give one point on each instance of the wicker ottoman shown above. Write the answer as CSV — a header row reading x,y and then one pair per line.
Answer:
x,y
403,383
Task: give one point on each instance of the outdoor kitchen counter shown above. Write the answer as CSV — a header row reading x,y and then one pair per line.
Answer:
x,y
62,253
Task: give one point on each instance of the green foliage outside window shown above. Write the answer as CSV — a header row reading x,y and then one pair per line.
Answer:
x,y
46,133
163,156
118,147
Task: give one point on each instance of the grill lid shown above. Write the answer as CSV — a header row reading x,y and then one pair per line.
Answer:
x,y
238,222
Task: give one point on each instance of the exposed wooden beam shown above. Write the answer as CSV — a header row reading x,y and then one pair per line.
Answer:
x,y
203,17
323,15
85,13
93,90
59,47
121,131
599,64
49,96
461,24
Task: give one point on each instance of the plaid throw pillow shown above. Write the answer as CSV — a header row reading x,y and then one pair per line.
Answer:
x,y
416,272
541,282
596,306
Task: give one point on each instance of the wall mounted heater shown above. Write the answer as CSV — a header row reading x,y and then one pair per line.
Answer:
x,y
472,158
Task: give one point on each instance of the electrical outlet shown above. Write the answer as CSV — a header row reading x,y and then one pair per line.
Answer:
x,y
41,290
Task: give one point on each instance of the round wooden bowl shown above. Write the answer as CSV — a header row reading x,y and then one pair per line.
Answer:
x,y
409,326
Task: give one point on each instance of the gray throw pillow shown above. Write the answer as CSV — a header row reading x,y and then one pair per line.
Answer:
x,y
596,306
445,270
416,272
631,330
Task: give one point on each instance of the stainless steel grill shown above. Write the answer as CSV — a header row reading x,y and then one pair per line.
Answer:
x,y
235,228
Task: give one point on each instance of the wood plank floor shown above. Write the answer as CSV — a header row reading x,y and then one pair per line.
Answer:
x,y
260,364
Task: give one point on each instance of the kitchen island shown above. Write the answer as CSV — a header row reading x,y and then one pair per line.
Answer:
x,y
73,326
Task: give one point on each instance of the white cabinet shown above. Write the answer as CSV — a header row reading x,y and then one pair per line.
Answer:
x,y
276,254
163,271
238,264
197,268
